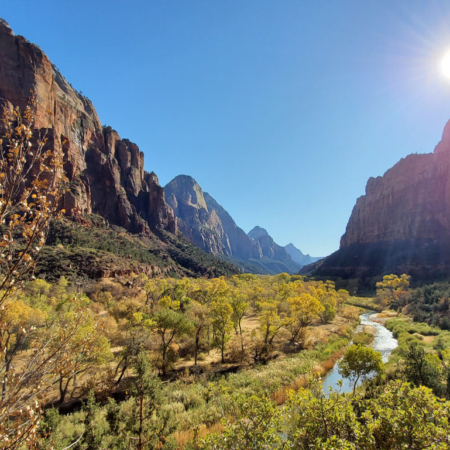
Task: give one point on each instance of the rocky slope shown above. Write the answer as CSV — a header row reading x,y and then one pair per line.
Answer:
x,y
106,172
206,224
402,223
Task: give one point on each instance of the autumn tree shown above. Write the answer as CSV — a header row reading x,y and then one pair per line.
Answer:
x,y
303,310
359,362
86,348
239,305
221,312
169,325
31,187
270,321
392,288
200,319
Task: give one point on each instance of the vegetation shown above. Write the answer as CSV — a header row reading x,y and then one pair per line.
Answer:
x,y
169,319
157,360
109,250
311,419
359,362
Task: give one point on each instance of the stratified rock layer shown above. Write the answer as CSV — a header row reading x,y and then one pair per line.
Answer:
x,y
106,173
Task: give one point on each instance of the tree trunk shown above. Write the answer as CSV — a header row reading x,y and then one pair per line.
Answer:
x,y
242,339
223,347
197,340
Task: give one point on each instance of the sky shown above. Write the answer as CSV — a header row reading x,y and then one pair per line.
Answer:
x,y
281,109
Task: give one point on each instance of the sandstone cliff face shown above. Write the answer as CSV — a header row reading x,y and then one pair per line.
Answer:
x,y
106,172
410,201
401,224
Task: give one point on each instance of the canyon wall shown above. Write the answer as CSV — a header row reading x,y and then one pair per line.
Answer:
x,y
106,173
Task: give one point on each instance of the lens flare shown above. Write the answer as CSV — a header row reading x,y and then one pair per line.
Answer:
x,y
445,65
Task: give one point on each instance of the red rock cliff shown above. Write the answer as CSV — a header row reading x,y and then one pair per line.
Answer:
x,y
410,201
106,172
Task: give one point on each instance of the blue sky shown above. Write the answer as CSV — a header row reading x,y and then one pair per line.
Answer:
x,y
280,109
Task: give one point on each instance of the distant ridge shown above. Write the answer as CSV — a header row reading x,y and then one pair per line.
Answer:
x,y
209,226
299,257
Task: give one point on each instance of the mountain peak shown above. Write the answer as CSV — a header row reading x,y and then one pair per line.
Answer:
x,y
186,188
257,232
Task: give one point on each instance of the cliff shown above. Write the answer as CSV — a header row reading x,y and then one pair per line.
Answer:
x,y
203,227
401,224
106,173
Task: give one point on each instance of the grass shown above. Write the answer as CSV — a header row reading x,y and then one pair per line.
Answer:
x,y
363,338
203,404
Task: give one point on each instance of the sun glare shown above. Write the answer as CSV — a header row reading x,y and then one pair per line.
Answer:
x,y
445,65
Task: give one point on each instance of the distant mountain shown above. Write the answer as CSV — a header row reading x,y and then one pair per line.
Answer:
x,y
298,257
264,248
206,224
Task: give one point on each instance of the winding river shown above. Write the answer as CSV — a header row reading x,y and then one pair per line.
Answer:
x,y
384,342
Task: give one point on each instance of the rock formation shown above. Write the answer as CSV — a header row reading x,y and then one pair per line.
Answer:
x,y
106,173
264,248
206,224
200,225
402,223
298,257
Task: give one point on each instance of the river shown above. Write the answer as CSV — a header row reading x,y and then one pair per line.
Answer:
x,y
384,342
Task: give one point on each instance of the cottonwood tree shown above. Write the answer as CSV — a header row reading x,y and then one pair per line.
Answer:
x,y
270,321
303,309
169,325
200,319
358,362
392,288
239,305
221,321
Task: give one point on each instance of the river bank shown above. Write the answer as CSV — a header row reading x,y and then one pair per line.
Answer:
x,y
384,342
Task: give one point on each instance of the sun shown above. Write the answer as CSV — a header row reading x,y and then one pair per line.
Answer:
x,y
445,65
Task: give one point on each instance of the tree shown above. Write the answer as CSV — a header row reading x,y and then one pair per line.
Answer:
x,y
168,325
270,321
303,310
31,187
148,398
199,316
86,348
359,362
424,369
328,314
392,288
240,307
142,422
221,312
